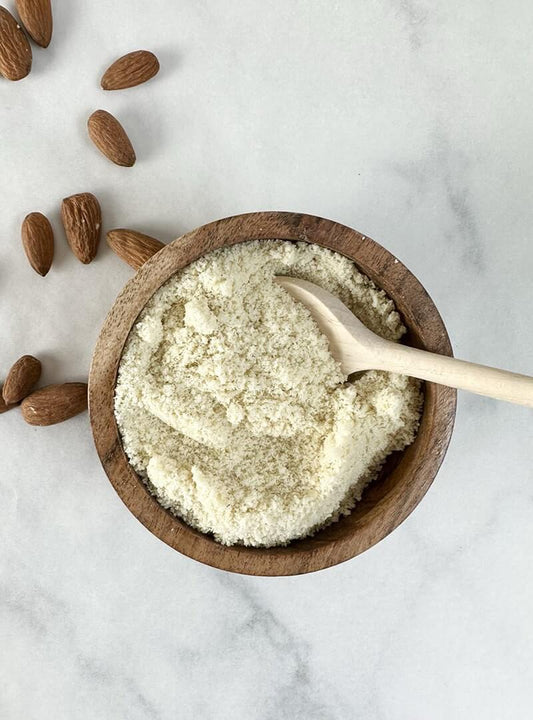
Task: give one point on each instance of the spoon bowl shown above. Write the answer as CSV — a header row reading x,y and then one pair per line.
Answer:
x,y
351,343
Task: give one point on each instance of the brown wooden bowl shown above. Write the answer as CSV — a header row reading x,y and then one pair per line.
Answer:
x,y
406,476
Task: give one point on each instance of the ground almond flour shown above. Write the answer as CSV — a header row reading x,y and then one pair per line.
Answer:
x,y
232,409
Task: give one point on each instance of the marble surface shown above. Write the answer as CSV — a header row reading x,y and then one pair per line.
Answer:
x,y
409,120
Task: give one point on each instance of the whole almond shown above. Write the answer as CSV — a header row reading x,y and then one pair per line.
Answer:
x,y
82,220
54,403
21,378
36,16
110,138
15,50
4,407
38,242
133,247
130,70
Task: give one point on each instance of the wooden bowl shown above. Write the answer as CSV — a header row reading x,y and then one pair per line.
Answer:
x,y
406,476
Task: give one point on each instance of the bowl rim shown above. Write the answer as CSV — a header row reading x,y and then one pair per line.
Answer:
x,y
400,493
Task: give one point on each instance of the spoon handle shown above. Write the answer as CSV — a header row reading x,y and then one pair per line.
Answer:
x,y
499,384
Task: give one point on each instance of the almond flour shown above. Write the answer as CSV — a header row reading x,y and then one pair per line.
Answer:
x,y
232,409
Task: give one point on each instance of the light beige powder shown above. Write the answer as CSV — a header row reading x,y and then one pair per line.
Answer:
x,y
234,412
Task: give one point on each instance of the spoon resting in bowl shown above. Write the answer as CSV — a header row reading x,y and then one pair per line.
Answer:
x,y
357,348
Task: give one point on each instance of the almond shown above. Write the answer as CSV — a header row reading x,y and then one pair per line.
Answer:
x,y
36,16
21,378
82,220
133,247
15,50
129,70
110,138
4,407
55,403
38,242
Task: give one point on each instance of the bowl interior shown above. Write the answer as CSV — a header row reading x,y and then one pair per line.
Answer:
x,y
406,475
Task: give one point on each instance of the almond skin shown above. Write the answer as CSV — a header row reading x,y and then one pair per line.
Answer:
x,y
15,50
54,403
36,16
21,378
82,220
133,247
130,70
38,242
110,138
4,407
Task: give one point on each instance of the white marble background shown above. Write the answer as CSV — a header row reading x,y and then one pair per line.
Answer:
x,y
409,120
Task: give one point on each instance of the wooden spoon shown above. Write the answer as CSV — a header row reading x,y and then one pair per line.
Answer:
x,y
357,348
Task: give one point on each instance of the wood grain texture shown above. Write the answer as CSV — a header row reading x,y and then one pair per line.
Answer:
x,y
405,477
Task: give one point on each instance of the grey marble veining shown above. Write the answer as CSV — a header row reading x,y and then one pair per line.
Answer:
x,y
409,120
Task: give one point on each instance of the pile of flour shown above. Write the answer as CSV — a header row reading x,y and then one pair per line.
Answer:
x,y
232,409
